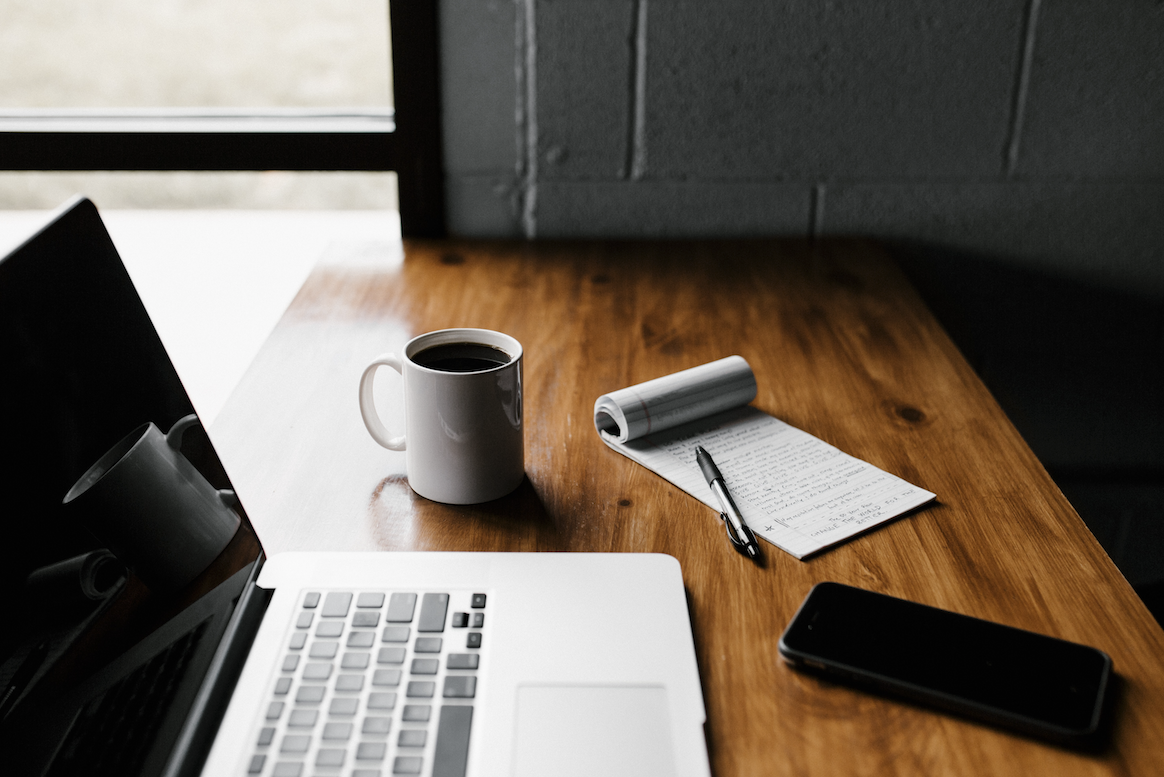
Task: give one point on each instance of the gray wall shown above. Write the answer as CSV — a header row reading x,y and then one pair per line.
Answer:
x,y
1027,130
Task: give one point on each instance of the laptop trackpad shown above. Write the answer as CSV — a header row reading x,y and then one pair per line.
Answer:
x,y
571,730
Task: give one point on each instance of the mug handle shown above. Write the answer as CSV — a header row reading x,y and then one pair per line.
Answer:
x,y
174,436
368,403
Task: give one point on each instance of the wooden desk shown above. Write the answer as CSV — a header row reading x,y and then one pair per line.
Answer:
x,y
842,347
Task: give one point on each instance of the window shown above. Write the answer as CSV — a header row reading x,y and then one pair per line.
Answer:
x,y
270,92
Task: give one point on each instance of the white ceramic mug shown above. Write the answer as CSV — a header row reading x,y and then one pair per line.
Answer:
x,y
153,509
462,438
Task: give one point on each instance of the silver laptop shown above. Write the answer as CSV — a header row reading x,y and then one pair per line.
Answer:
x,y
116,658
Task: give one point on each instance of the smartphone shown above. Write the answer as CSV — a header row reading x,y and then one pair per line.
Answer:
x,y
1016,679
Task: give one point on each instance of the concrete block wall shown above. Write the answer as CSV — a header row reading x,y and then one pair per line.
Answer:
x,y
1026,130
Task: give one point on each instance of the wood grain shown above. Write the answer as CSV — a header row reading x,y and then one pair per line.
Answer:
x,y
842,347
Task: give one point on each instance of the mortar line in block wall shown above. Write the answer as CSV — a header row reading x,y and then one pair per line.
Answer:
x,y
1021,89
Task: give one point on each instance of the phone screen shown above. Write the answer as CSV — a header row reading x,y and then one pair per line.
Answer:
x,y
1002,674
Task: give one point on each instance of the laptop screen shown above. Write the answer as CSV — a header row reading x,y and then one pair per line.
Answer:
x,y
117,512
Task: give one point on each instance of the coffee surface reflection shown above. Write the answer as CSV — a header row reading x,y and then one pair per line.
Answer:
x,y
462,357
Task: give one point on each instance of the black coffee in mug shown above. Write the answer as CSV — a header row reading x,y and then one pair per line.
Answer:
x,y
462,357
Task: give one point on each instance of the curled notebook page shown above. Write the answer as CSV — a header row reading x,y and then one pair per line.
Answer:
x,y
673,400
794,490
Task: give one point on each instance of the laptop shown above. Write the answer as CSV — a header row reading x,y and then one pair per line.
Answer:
x,y
160,652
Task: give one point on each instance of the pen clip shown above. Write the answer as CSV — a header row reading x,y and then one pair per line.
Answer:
x,y
741,545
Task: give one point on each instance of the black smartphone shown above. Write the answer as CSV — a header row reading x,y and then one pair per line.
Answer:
x,y
1046,687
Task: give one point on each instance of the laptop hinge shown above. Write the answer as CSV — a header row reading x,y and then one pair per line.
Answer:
x,y
210,704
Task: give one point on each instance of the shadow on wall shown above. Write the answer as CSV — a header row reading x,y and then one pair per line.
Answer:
x,y
1079,368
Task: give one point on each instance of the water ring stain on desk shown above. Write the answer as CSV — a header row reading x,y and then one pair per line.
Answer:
x,y
391,513
398,517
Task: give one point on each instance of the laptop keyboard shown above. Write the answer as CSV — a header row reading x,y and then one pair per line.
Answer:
x,y
374,683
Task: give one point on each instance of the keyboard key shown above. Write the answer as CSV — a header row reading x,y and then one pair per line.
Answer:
x,y
381,700
304,620
425,665
432,612
324,649
290,661
298,640
361,639
329,629
421,689
372,600
311,600
371,751
344,706
366,619
355,660
376,725
302,718
412,737
337,731
316,671
459,620
295,743
266,736
396,634
416,713
478,601
452,742
287,769
282,685
256,764
407,764
473,639
428,644
463,661
478,620
309,694
329,757
389,678
365,773
349,682
400,608
336,605
462,686
274,710
390,655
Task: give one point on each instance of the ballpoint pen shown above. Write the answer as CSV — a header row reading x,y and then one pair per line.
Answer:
x,y
737,530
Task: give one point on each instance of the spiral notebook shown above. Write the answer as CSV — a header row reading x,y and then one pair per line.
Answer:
x,y
794,490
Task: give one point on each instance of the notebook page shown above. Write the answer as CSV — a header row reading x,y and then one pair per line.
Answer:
x,y
794,490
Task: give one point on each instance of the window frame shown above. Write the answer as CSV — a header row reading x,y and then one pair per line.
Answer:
x,y
406,139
